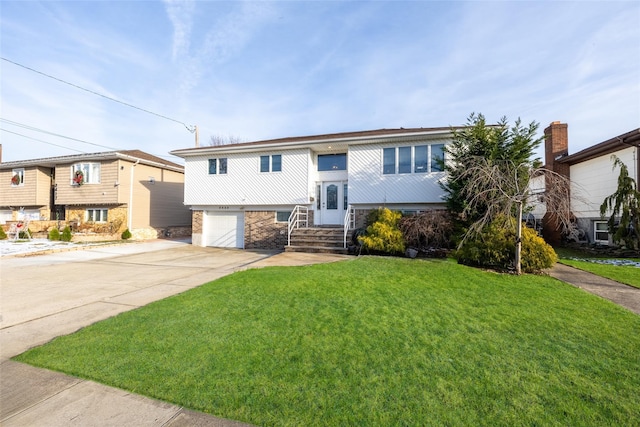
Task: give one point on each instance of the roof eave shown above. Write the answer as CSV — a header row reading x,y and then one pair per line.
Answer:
x,y
309,142
617,143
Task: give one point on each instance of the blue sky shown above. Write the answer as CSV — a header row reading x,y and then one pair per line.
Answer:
x,y
261,70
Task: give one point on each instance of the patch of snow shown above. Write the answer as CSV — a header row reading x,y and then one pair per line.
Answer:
x,y
616,262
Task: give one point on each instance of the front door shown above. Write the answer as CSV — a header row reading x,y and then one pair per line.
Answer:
x,y
332,203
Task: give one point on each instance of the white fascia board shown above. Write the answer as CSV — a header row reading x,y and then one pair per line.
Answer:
x,y
267,146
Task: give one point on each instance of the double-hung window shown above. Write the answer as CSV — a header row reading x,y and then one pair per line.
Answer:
x,y
96,215
271,163
389,161
17,177
412,159
85,173
218,166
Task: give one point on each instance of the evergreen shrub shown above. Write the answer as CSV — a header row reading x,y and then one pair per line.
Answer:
x,y
126,234
66,234
383,235
54,234
495,248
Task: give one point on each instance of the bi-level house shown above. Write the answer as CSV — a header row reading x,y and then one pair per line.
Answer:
x,y
256,194
112,191
592,177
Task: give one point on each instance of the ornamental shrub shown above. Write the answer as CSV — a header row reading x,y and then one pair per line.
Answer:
x,y
126,234
3,235
536,254
66,234
383,234
54,234
495,248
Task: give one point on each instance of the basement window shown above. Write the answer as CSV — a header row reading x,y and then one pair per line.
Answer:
x,y
283,216
601,232
96,215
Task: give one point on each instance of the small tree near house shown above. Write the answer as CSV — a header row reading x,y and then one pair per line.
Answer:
x,y
490,168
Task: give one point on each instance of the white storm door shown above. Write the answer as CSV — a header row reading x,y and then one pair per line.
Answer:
x,y
332,206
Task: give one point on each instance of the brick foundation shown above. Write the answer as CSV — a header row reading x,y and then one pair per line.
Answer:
x,y
261,231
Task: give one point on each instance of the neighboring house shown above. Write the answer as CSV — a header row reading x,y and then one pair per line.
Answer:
x,y
592,177
242,195
109,191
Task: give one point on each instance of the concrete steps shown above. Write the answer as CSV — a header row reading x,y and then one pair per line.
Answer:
x,y
317,240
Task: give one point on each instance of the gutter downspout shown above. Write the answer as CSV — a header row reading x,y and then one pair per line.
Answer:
x,y
130,215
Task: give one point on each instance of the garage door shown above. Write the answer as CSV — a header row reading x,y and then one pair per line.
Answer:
x,y
225,229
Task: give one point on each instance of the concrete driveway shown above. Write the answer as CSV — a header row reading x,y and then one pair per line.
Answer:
x,y
46,296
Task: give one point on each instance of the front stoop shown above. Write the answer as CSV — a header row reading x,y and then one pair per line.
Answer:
x,y
318,240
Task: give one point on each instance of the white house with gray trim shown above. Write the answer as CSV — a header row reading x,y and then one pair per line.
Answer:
x,y
243,195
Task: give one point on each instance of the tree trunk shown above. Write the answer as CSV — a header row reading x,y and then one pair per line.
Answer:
x,y
519,240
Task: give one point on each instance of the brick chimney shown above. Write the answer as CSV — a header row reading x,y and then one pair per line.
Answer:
x,y
556,146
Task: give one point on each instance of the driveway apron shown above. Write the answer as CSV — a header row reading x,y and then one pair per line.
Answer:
x,y
46,296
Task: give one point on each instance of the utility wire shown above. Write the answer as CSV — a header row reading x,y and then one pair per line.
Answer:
x,y
28,127
191,129
39,140
24,126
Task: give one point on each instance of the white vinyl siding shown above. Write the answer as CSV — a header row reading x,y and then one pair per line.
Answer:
x,y
594,180
245,185
367,185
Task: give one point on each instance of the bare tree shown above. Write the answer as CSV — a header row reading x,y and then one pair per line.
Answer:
x,y
503,190
217,140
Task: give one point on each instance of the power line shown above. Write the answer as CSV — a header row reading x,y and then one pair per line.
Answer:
x,y
191,129
24,126
39,140
28,127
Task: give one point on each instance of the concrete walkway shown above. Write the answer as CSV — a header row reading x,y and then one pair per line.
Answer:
x,y
623,295
46,296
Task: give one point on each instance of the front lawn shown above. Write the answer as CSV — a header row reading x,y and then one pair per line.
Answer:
x,y
603,266
375,342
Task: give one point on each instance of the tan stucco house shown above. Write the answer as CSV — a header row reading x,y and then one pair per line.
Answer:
x,y
108,192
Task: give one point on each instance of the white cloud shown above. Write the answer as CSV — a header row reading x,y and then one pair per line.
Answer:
x,y
180,13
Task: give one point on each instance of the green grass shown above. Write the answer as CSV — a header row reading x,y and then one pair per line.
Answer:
x,y
628,275
375,342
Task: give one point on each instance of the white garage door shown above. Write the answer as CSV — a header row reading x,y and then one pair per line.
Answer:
x,y
225,229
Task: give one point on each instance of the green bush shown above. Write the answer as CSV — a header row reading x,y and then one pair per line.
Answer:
x,y
54,234
66,234
536,254
495,248
126,234
383,234
3,235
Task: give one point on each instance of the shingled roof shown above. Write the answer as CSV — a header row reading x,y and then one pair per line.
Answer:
x,y
133,155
